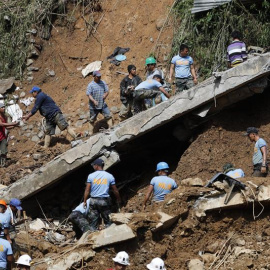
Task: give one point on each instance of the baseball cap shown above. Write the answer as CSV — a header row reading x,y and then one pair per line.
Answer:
x,y
158,76
35,89
16,203
2,105
98,162
97,73
251,130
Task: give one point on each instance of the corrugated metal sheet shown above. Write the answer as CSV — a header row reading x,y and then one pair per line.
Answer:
x,y
203,5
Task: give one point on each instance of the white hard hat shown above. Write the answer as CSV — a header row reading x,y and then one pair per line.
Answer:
x,y
122,258
156,264
24,260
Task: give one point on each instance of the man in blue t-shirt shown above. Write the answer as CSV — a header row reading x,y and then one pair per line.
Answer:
x,y
229,170
97,186
78,217
160,185
148,89
6,254
260,166
182,65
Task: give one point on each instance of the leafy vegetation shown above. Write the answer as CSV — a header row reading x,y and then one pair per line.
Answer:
x,y
208,33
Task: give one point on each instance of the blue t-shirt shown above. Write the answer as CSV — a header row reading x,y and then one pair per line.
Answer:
x,y
149,84
257,155
237,173
5,250
81,209
5,223
162,186
100,183
182,66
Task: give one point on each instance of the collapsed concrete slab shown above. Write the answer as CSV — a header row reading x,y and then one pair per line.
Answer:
x,y
237,199
216,92
166,222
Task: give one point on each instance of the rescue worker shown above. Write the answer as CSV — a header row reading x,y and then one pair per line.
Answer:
x,y
4,222
78,217
127,87
156,264
151,68
260,166
97,92
183,67
121,261
151,88
160,185
52,113
6,254
24,262
97,186
236,51
3,134
229,170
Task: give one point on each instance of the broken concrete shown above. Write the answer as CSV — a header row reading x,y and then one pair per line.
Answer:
x,y
112,235
207,97
121,218
216,202
166,222
192,182
72,260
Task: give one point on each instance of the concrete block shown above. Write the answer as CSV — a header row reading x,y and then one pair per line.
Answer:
x,y
112,235
195,264
192,182
166,221
121,218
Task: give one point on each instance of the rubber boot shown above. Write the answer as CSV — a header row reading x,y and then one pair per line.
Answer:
x,y
47,141
71,132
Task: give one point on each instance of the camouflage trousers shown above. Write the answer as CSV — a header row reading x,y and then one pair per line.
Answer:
x,y
79,220
99,208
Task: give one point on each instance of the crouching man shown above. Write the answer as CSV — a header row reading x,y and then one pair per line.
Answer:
x,y
78,217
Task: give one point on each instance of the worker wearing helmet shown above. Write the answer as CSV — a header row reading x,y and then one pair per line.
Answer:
x,y
152,70
24,262
6,253
160,185
182,65
229,170
5,222
121,261
156,264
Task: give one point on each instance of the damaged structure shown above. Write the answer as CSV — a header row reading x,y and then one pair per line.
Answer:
x,y
190,108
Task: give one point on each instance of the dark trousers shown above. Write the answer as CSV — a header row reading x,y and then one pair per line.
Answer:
x,y
99,207
79,220
257,171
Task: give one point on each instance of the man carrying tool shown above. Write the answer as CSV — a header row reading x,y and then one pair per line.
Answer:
x,y
97,186
236,51
78,217
121,261
260,166
97,92
6,254
229,170
3,135
160,185
52,113
127,87
182,65
151,88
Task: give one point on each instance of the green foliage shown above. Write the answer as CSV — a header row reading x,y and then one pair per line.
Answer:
x,y
208,33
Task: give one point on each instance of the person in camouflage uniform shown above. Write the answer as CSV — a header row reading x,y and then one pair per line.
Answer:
x,y
78,217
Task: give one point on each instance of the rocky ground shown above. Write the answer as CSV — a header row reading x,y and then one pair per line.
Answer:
x,y
224,239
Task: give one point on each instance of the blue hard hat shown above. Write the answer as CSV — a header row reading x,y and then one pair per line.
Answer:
x,y
162,166
35,89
